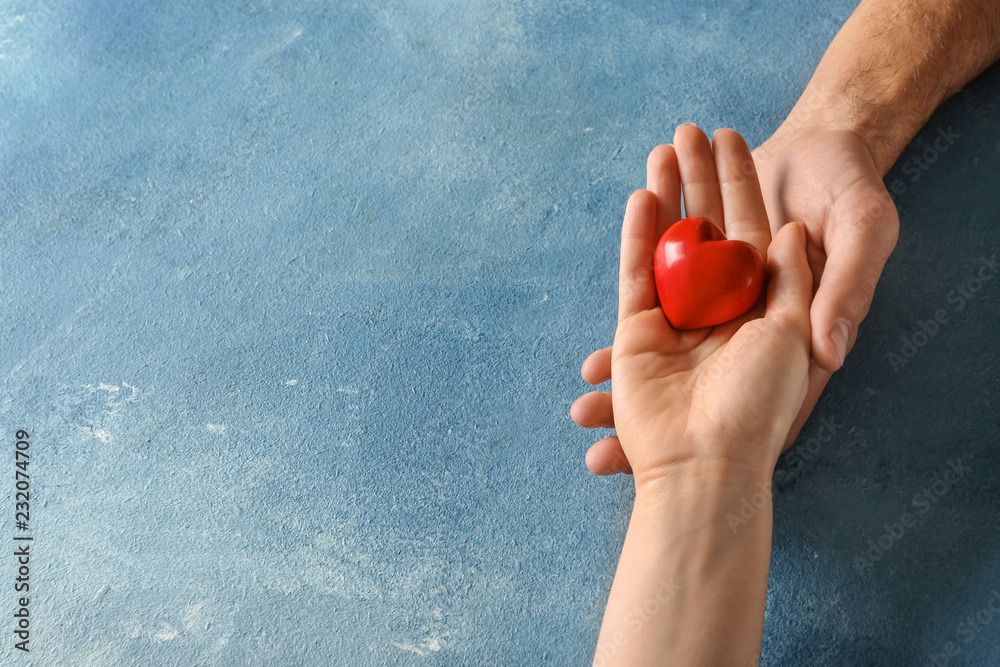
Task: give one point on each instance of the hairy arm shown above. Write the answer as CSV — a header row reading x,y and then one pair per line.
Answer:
x,y
893,63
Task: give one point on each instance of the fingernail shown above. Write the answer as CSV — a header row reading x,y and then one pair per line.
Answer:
x,y
841,330
691,123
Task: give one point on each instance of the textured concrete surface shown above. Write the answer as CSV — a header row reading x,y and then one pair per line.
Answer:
x,y
294,300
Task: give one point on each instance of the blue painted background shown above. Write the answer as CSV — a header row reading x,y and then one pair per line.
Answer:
x,y
295,297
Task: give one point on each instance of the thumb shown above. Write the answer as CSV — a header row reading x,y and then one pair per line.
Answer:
x,y
789,287
859,239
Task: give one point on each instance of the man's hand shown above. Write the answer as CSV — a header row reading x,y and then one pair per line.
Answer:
x,y
827,179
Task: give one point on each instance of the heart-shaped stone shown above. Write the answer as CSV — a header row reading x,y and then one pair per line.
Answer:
x,y
702,278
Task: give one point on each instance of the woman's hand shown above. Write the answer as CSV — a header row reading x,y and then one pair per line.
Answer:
x,y
701,417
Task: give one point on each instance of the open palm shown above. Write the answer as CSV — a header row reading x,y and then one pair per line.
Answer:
x,y
704,394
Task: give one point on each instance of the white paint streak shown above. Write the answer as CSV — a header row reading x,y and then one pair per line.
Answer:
x,y
100,594
290,38
291,383
216,428
408,647
432,642
166,633
114,389
194,618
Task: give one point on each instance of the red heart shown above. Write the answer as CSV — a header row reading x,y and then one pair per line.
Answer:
x,y
702,278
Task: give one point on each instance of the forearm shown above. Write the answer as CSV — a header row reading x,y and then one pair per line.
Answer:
x,y
692,578
893,63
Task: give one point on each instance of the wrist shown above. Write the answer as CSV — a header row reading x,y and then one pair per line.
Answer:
x,y
828,105
710,484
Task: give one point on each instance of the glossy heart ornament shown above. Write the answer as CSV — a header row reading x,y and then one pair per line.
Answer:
x,y
702,278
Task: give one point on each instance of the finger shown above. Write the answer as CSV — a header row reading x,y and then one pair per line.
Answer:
x,y
597,367
664,179
771,186
636,286
593,410
699,181
789,288
857,247
606,457
817,382
746,217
